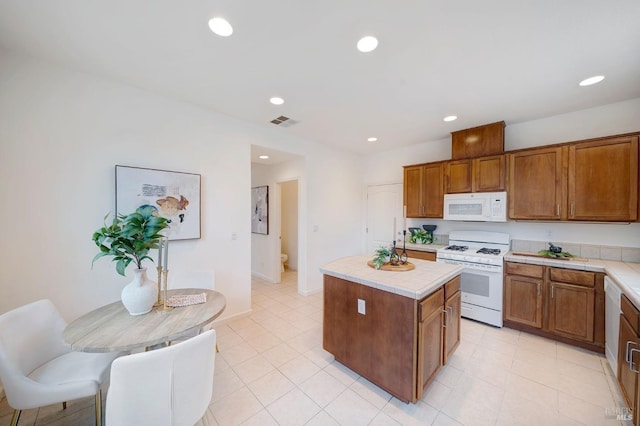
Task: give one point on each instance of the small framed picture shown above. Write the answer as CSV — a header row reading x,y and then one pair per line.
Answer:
x,y
260,210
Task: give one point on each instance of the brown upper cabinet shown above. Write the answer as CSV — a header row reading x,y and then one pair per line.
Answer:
x,y
478,141
486,174
424,190
603,180
583,181
537,184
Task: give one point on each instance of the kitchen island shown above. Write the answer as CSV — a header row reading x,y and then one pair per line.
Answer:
x,y
394,328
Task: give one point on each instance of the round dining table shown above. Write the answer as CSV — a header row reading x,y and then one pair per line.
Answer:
x,y
111,328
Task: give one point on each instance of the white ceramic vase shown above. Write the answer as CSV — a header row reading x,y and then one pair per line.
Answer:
x,y
140,294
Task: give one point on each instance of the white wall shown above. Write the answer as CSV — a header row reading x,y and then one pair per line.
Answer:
x,y
329,219
622,117
61,134
289,223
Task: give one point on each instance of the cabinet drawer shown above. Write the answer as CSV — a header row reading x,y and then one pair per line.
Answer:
x,y
533,271
630,312
419,254
433,302
572,276
452,287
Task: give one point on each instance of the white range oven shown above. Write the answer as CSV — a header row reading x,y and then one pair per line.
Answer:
x,y
481,255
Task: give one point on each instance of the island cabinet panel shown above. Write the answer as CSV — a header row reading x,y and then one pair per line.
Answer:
x,y
430,335
370,343
399,343
453,309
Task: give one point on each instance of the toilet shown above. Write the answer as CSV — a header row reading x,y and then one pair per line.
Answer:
x,y
283,260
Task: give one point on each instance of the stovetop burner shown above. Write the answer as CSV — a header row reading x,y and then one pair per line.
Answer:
x,y
485,250
457,248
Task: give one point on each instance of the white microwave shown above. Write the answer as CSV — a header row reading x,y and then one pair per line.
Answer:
x,y
476,207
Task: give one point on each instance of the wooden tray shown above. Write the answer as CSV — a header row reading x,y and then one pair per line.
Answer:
x,y
389,267
579,259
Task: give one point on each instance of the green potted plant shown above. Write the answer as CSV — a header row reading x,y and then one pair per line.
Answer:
x,y
129,239
420,236
381,257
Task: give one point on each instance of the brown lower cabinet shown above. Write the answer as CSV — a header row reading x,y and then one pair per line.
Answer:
x,y
629,356
399,343
419,254
560,303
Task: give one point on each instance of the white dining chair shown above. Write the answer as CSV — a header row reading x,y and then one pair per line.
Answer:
x,y
171,386
38,368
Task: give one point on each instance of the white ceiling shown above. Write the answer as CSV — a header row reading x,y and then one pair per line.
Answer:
x,y
484,61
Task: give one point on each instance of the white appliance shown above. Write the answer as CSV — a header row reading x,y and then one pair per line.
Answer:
x,y
476,207
612,322
481,254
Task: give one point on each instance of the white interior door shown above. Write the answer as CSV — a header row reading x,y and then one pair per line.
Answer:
x,y
384,209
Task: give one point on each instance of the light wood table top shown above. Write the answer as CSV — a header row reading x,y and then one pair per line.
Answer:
x,y
111,328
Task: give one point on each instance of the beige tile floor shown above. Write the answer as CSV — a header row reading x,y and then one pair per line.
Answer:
x,y
271,370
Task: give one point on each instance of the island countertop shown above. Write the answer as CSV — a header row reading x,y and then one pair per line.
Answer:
x,y
416,284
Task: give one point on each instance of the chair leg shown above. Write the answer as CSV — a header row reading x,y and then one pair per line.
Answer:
x,y
99,408
15,417
217,350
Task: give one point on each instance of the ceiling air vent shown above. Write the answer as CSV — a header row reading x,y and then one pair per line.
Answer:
x,y
283,121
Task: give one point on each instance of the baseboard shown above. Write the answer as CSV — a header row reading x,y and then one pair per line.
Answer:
x,y
262,277
231,318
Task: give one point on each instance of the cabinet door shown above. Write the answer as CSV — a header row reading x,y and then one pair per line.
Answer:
x,y
413,190
430,340
452,325
433,190
489,174
537,184
603,180
523,300
459,176
571,311
627,378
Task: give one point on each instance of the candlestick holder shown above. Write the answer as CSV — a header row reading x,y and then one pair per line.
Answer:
x,y
164,290
404,257
159,302
393,255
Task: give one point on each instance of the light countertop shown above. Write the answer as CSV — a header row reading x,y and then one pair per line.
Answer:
x,y
422,247
416,284
625,274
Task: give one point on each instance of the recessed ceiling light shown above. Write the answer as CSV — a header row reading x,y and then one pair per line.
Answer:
x,y
276,100
220,26
264,157
372,139
450,118
592,80
367,44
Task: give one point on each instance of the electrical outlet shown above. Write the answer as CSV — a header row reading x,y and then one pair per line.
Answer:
x,y
362,308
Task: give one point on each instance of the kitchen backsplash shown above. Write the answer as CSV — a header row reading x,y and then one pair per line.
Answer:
x,y
624,254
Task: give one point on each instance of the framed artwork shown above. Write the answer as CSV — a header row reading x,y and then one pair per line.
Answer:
x,y
260,210
175,196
